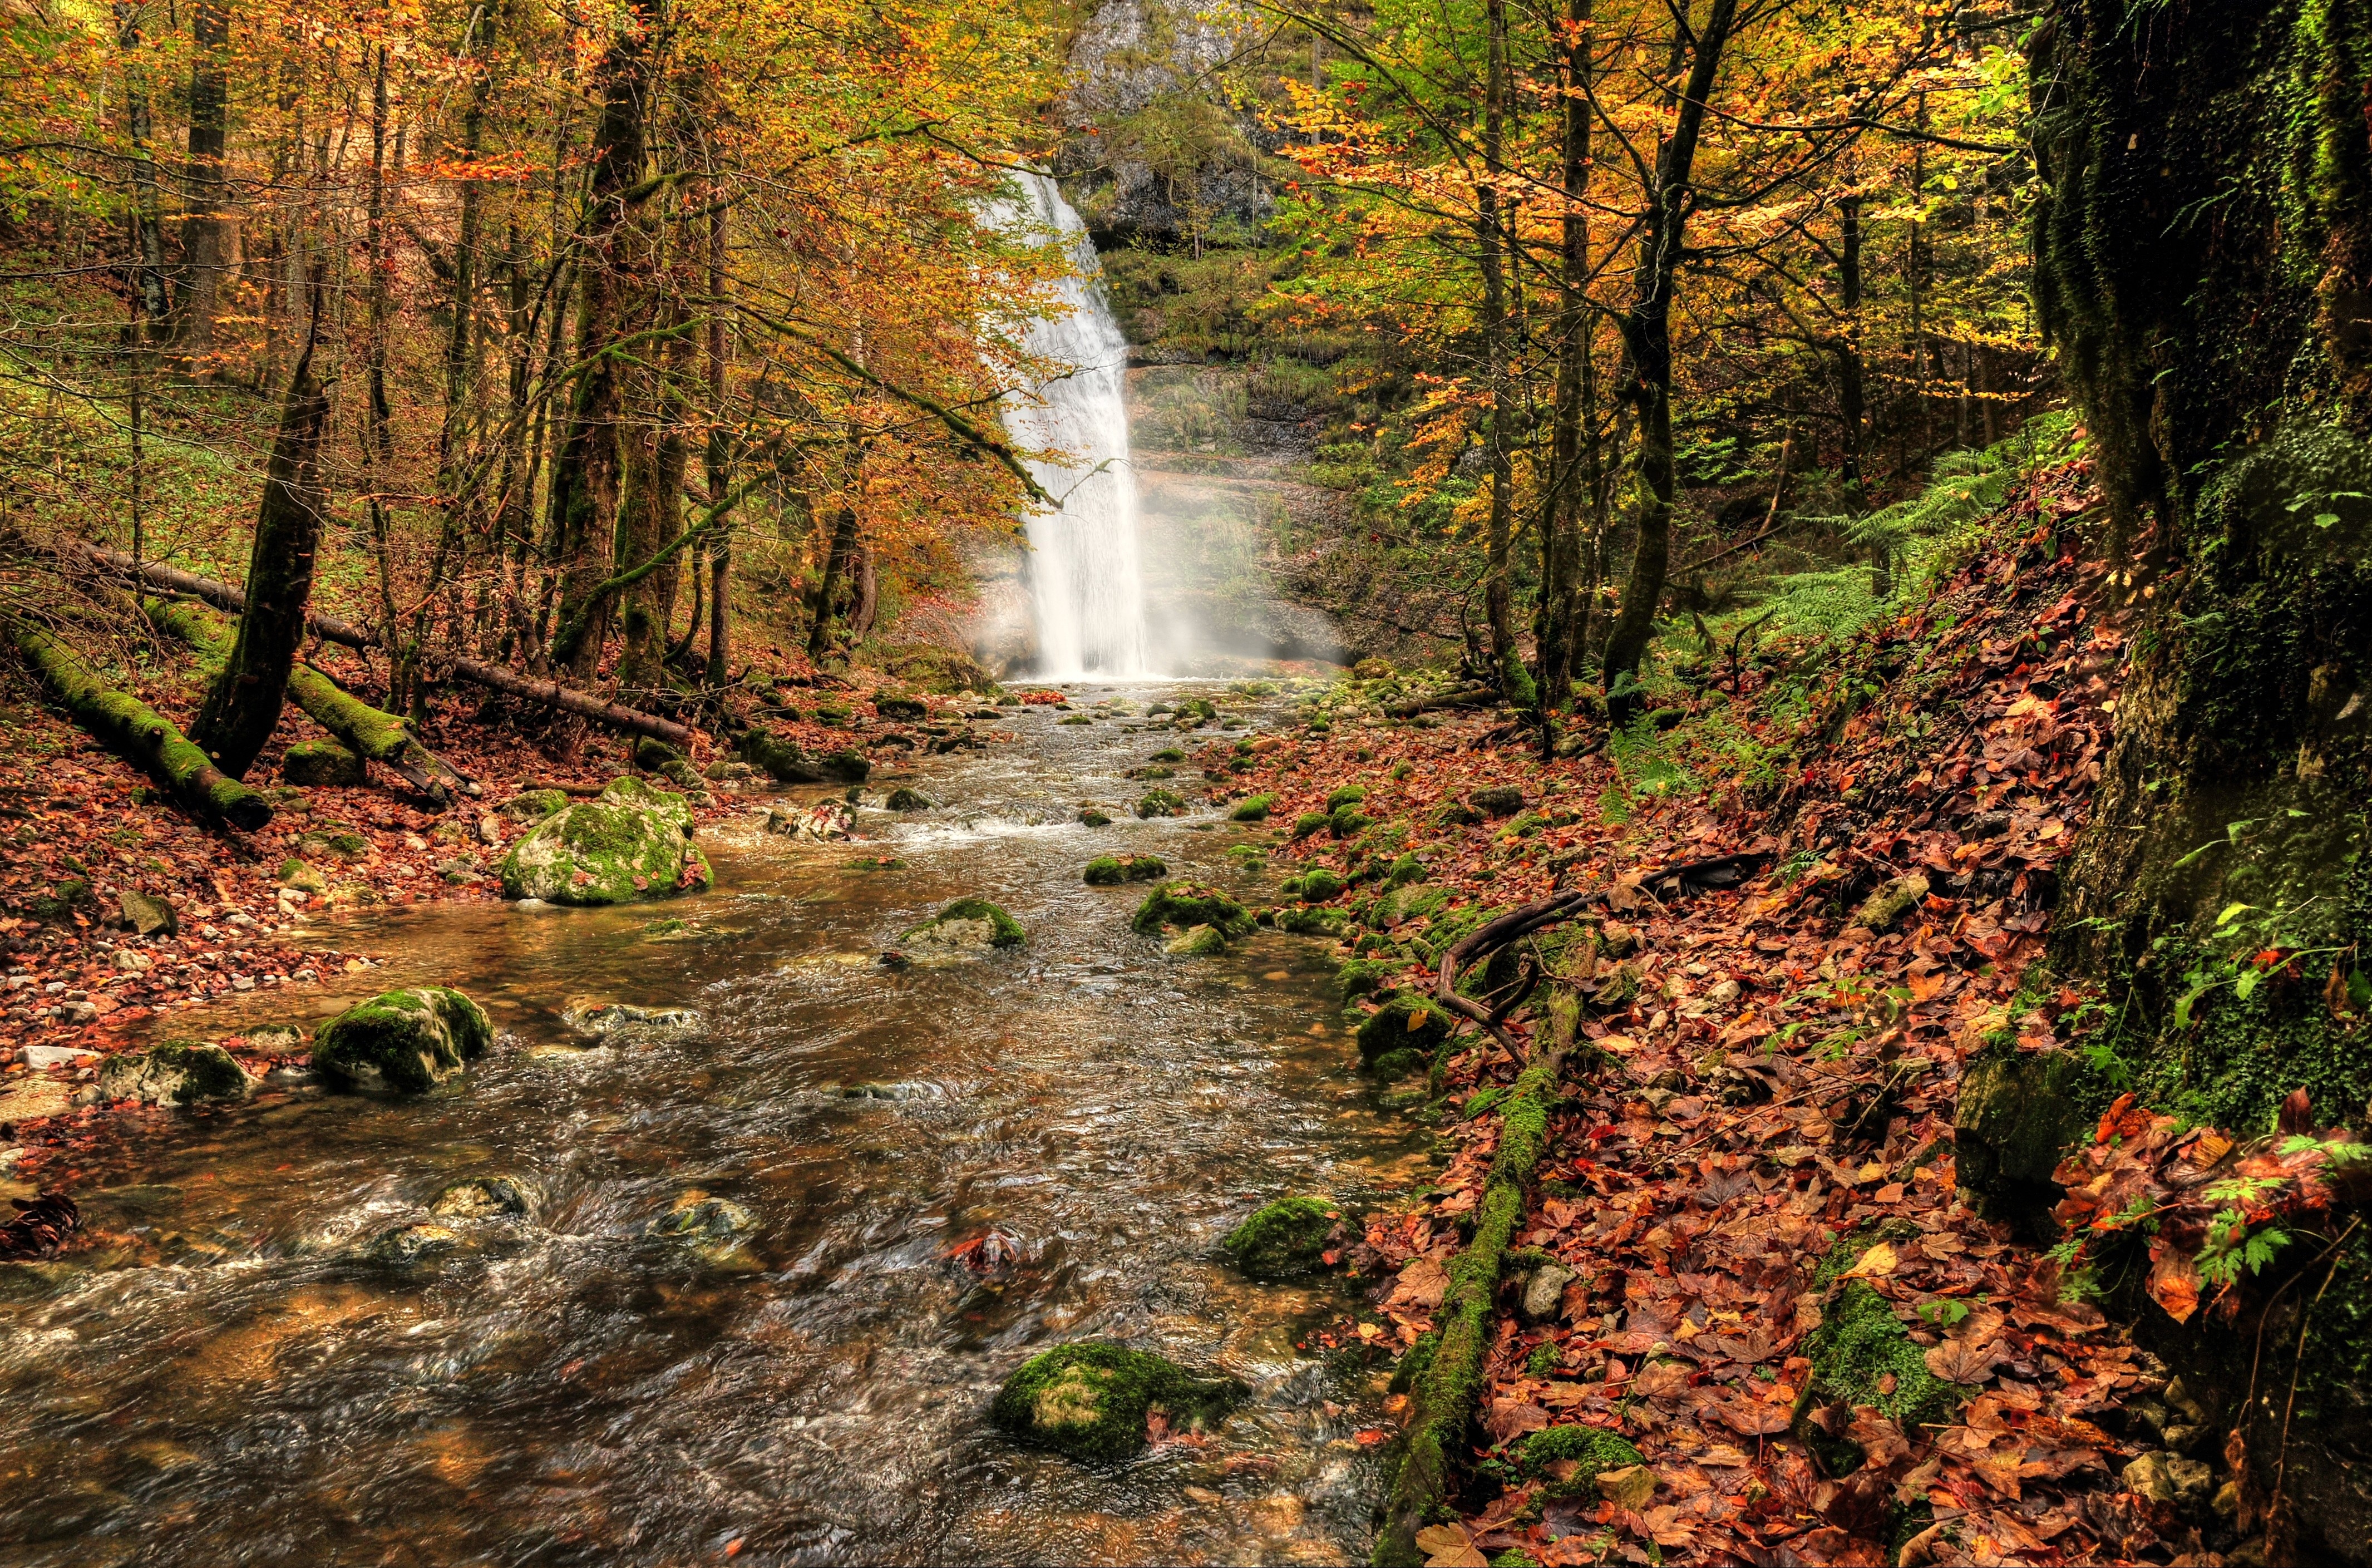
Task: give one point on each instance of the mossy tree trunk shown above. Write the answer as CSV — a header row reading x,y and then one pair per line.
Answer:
x,y
2204,270
138,733
243,707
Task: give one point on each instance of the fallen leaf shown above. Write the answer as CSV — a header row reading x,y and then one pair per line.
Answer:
x,y
2174,1283
1959,1361
1874,1265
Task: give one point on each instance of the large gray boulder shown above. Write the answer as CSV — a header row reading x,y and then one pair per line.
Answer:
x,y
633,842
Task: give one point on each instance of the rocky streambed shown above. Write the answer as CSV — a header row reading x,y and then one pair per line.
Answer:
x,y
734,1231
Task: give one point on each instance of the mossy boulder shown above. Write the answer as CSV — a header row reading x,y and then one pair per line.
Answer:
x,y
904,799
1403,1023
1092,1400
1091,818
1308,822
322,764
1284,1240
404,1040
532,805
1197,942
845,766
1168,754
1345,821
1573,1456
1349,795
1316,885
1362,977
1399,1061
1111,870
1255,809
1307,921
897,705
1160,803
1498,800
304,877
1863,1354
634,841
176,1072
652,754
1188,904
967,925
2017,1110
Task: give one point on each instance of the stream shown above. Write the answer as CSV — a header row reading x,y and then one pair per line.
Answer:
x,y
233,1377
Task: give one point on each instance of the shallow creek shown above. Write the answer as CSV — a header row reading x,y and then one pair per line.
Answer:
x,y
239,1382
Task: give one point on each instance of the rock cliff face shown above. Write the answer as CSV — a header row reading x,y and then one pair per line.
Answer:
x,y
1152,152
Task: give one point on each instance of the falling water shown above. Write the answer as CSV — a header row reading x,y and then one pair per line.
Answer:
x,y
1085,585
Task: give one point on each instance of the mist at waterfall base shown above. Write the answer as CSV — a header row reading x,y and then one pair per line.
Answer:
x,y
1087,582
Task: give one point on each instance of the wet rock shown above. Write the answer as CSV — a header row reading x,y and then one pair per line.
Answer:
x,y
408,1041
652,754
1315,885
845,766
904,799
893,705
2017,1111
701,1219
904,1089
483,1198
967,926
1160,803
322,764
1188,904
1890,903
1403,1023
176,1072
1111,870
408,1244
146,916
605,1018
2170,1478
687,778
1092,1400
1543,1299
825,822
1284,1240
1313,922
532,806
1197,942
634,841
1091,818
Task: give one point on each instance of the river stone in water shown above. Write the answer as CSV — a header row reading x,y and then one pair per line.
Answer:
x,y
177,1072
483,1198
1091,1400
968,927
634,841
603,1019
408,1244
823,823
1283,1240
1197,942
409,1040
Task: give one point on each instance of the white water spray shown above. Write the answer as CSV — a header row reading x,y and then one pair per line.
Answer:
x,y
1086,583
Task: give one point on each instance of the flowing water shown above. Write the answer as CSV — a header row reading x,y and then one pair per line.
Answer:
x,y
230,1377
1086,584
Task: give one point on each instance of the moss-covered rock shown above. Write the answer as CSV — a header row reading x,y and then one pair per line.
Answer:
x,y
322,764
175,1071
1346,821
1168,754
1498,800
1197,942
967,925
404,1040
652,754
1403,1023
897,705
904,799
1091,818
1349,795
1308,822
1316,885
1360,977
304,877
1160,803
1863,1354
1092,1400
1586,1451
1399,1061
1255,809
845,766
1305,922
532,805
1188,904
1284,1240
2017,1110
1111,870
634,841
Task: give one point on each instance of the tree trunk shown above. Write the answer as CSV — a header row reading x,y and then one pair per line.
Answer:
x,y
719,458
206,230
2204,268
138,733
1561,614
148,225
242,707
1647,336
1490,233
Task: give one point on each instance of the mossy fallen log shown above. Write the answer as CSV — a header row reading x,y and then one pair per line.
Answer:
x,y
510,682
137,731
369,733
1447,1391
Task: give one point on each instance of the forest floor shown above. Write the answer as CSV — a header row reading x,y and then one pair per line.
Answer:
x,y
1756,1134
83,828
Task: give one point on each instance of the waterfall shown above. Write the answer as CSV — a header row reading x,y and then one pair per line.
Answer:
x,y
1085,585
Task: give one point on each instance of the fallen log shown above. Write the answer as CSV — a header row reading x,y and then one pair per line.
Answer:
x,y
138,733
510,682
368,732
1464,697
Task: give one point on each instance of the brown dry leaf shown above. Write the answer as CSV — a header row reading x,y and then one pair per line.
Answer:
x,y
1435,1539
1422,1284
1962,1360
1660,1380
1628,1487
2174,1283
1755,1419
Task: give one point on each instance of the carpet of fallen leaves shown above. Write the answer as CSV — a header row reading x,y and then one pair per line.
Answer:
x,y
82,826
1770,1080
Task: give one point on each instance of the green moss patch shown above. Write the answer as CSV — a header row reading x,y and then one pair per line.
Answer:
x,y
970,923
1589,1450
1863,1354
176,1072
1283,1240
1404,1022
1111,870
1255,809
1186,904
1092,1400
1160,803
631,842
